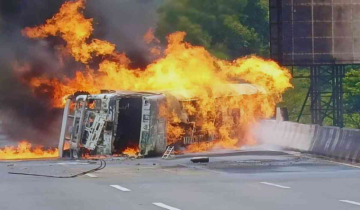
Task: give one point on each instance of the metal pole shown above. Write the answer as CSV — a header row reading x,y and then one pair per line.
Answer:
x,y
63,128
304,104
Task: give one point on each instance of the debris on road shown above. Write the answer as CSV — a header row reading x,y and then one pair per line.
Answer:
x,y
200,159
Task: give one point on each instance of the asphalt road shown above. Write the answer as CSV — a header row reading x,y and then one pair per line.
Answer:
x,y
236,180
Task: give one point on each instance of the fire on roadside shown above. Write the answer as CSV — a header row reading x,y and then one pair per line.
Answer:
x,y
24,150
182,67
131,152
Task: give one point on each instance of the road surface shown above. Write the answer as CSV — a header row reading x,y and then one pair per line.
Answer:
x,y
246,179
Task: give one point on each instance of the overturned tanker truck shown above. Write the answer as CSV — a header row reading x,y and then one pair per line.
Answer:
x,y
109,122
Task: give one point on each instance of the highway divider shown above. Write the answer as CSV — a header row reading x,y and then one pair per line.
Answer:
x,y
334,142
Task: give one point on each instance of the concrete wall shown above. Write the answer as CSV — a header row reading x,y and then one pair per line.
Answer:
x,y
322,140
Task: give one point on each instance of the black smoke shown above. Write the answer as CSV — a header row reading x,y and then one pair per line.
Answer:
x,y
124,22
27,114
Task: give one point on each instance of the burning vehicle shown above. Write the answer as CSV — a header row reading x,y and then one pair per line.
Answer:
x,y
115,121
184,97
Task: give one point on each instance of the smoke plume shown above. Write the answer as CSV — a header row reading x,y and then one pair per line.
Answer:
x,y
27,114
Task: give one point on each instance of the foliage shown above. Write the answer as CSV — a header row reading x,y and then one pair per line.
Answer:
x,y
227,28
293,99
352,99
352,120
352,90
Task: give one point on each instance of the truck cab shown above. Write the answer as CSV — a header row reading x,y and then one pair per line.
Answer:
x,y
110,122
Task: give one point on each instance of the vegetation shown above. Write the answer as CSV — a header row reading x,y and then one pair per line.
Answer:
x,y
294,98
352,98
227,28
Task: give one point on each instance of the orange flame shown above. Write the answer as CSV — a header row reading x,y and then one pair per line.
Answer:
x,y
131,152
150,37
66,145
75,29
24,150
189,70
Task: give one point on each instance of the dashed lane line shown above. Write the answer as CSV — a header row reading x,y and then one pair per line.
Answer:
x,y
275,185
120,188
72,163
165,206
350,202
91,175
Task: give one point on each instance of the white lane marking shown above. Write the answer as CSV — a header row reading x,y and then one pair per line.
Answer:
x,y
73,163
120,188
275,185
91,175
165,206
351,202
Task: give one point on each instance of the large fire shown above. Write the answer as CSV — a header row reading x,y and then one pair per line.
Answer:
x,y
189,70
24,150
129,152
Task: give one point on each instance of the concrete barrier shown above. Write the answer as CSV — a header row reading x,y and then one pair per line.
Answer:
x,y
351,145
305,137
356,149
324,139
321,140
340,145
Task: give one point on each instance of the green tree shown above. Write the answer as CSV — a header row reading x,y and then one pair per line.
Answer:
x,y
352,99
227,28
257,13
293,99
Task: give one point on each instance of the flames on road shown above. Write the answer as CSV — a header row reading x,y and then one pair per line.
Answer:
x,y
181,67
24,150
128,152
131,152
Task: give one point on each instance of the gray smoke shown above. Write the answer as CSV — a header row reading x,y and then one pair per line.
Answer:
x,y
26,114
124,22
